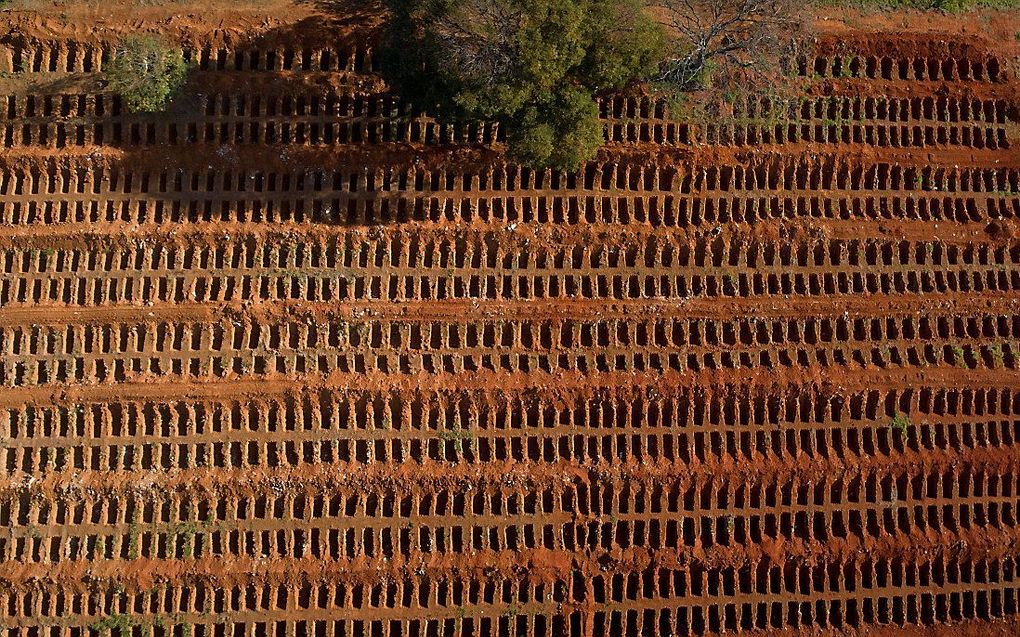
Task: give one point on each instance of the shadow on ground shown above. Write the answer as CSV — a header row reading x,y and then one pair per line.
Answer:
x,y
208,136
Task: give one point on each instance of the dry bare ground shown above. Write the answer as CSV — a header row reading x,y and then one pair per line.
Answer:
x,y
294,360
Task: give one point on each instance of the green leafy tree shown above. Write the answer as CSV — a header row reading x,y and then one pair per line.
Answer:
x,y
146,72
534,66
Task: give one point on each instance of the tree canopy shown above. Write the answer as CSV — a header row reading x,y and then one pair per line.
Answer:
x,y
146,72
535,66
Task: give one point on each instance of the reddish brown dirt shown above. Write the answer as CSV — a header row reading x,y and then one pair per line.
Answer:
x,y
294,360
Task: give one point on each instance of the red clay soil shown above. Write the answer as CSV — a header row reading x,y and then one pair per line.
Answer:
x,y
293,359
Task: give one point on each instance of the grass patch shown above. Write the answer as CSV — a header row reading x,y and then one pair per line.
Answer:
x,y
901,423
458,436
121,623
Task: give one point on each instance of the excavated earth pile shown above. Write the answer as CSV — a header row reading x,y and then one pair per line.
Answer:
x,y
292,360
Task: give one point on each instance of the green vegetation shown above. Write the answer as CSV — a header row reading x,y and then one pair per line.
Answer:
x,y
182,534
998,357
99,550
901,423
133,536
458,436
146,72
121,623
533,66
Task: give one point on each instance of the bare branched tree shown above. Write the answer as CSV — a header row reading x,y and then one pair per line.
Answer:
x,y
479,38
741,33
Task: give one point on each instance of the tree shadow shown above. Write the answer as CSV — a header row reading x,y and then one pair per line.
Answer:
x,y
295,105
